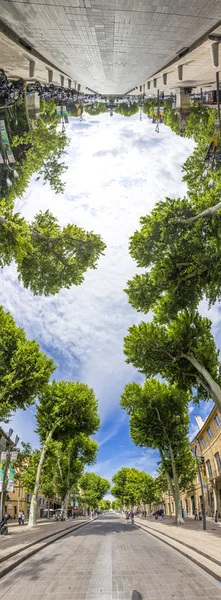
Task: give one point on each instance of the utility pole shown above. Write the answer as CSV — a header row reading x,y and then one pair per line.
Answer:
x,y
217,93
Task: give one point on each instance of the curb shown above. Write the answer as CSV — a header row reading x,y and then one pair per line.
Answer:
x,y
206,568
56,536
170,537
30,544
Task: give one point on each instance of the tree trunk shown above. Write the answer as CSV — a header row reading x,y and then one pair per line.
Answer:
x,y
66,501
209,212
62,508
170,485
33,509
179,518
210,385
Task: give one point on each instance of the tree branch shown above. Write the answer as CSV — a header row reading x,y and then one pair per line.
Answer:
x,y
209,212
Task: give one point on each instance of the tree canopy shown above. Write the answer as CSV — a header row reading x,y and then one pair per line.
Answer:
x,y
127,109
159,419
182,261
41,148
65,411
47,256
93,489
104,504
183,352
24,369
95,108
133,487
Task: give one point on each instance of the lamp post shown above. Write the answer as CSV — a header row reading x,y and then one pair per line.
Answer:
x,y
158,112
194,450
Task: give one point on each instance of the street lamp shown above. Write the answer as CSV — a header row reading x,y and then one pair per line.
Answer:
x,y
194,451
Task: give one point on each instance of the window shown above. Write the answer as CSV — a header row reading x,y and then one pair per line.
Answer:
x,y
202,441
210,433
218,461
217,419
209,468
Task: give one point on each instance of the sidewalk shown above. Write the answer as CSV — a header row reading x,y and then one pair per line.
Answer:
x,y
203,547
19,536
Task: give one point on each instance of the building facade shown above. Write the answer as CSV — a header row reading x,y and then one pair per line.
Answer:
x,y
206,444
20,499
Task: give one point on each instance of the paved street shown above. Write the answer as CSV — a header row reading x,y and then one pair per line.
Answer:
x,y
110,47
108,560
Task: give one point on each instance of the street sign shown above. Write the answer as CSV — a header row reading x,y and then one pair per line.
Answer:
x,y
11,476
3,455
2,473
14,455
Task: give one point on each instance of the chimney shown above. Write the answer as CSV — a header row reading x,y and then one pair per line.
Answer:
x,y
199,421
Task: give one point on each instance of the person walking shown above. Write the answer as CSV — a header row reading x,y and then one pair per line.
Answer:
x,y
127,517
23,517
132,517
20,517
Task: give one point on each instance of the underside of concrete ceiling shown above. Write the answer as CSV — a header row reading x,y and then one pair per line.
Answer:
x,y
110,46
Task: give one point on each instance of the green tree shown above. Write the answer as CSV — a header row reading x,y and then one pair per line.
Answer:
x,y
24,369
159,419
182,261
43,146
65,410
133,487
149,107
200,122
104,504
171,119
71,459
96,108
183,352
47,256
127,109
93,489
116,505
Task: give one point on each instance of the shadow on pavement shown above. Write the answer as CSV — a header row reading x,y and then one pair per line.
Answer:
x,y
102,526
136,595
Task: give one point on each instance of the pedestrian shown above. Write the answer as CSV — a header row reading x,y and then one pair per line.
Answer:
x,y
20,517
127,516
132,517
23,517
195,514
74,515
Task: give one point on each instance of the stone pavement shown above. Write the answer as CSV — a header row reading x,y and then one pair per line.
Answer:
x,y
20,536
110,46
191,533
108,560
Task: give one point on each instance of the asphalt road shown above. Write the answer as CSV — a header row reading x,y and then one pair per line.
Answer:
x,y
109,559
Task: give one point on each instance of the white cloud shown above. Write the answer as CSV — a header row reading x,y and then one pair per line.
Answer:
x,y
118,169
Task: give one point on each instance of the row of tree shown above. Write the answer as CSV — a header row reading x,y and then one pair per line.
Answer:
x,y
66,417
47,256
133,487
178,248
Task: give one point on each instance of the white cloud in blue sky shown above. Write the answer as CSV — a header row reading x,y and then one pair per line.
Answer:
x,y
118,169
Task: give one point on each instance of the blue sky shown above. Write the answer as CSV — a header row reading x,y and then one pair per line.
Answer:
x,y
118,168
